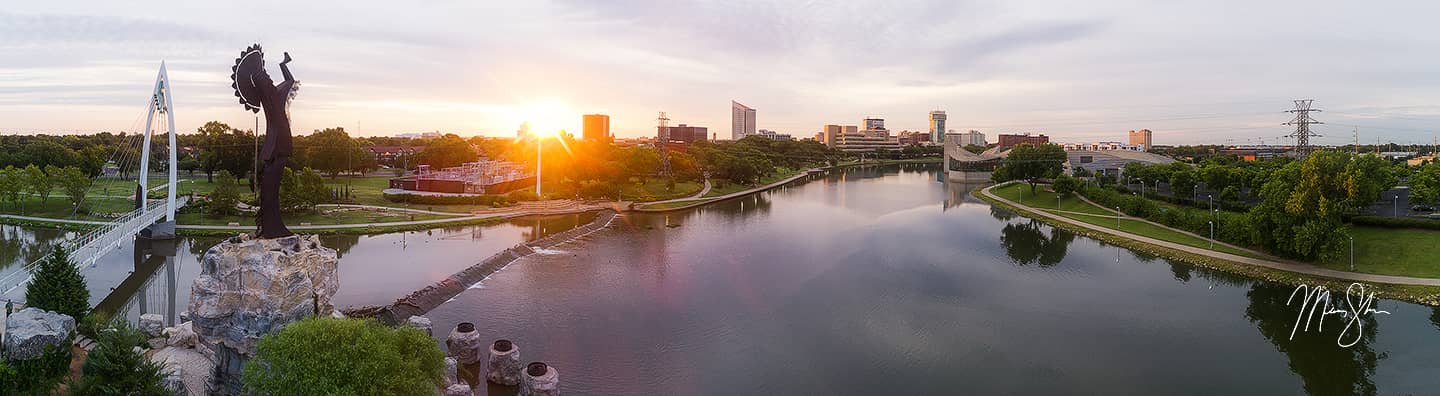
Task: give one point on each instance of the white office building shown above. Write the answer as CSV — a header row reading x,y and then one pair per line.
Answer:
x,y
742,121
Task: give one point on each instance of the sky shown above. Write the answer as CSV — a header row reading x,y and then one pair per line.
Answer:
x,y
1213,71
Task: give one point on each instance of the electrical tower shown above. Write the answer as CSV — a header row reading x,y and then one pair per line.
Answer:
x,y
664,140
1302,123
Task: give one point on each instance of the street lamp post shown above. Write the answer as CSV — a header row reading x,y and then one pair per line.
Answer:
x,y
1395,205
1211,198
1352,254
1117,217
1057,201
1212,234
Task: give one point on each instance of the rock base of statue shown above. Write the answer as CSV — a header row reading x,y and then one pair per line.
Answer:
x,y
249,287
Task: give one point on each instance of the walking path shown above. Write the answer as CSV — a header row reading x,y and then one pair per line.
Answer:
x,y
1147,221
1272,264
702,201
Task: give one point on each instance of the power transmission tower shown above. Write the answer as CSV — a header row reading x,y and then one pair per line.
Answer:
x,y
664,137
1302,123
1357,140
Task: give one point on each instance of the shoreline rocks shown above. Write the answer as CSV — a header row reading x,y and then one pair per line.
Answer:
x,y
29,331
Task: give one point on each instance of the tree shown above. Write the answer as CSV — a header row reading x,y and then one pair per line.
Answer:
x,y
1065,185
115,367
640,162
226,148
190,165
333,151
225,196
447,151
1425,185
303,359
12,182
58,286
302,190
38,183
73,182
1182,182
1302,203
1031,163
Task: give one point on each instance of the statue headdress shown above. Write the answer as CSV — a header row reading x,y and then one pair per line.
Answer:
x,y
250,63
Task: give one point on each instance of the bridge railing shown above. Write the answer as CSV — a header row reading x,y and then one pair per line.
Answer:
x,y
90,246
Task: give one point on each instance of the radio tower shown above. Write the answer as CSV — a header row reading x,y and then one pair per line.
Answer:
x,y
664,134
1302,123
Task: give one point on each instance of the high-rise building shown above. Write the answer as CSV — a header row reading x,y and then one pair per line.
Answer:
x,y
937,126
1010,140
830,135
851,138
1141,138
596,127
742,121
874,125
683,133
973,137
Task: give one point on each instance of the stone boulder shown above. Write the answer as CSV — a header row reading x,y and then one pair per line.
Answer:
x,y
152,324
420,322
29,331
249,287
458,390
182,336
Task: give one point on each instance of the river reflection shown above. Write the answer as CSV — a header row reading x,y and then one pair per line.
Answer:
x,y
882,280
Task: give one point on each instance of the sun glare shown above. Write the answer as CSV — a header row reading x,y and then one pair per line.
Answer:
x,y
547,118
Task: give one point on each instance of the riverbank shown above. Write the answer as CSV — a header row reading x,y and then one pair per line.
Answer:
x,y
1419,290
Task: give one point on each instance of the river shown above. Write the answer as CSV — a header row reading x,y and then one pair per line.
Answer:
x,y
885,281
875,280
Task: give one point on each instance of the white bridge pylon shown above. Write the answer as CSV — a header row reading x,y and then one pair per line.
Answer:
x,y
87,248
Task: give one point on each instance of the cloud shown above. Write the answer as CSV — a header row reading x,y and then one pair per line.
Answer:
x,y
48,29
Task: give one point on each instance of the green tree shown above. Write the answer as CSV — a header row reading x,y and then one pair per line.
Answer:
x,y
304,358
1302,203
640,162
302,190
116,368
1031,163
447,151
226,148
73,182
12,182
58,286
225,196
38,183
332,151
1182,183
1425,185
1066,185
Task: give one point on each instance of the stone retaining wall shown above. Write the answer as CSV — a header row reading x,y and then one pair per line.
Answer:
x,y
429,297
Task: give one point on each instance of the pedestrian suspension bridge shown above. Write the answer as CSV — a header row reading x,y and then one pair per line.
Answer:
x,y
144,220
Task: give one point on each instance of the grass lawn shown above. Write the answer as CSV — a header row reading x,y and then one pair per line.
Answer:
x,y
654,190
1391,251
720,187
1045,200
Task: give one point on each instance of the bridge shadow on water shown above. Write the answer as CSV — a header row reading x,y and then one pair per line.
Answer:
x,y
151,287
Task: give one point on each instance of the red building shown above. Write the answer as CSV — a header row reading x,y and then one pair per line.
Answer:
x,y
1008,141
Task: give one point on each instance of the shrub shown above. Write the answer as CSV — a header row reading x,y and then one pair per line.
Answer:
x,y
225,196
58,286
1396,222
522,195
38,376
328,356
91,324
116,368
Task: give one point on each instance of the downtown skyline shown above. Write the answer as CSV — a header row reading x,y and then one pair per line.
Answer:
x,y
1221,72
